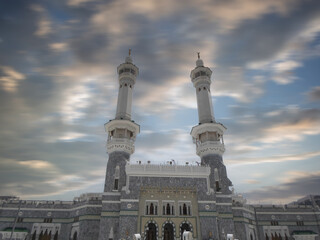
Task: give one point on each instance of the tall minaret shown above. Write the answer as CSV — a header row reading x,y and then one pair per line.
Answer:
x,y
122,130
208,135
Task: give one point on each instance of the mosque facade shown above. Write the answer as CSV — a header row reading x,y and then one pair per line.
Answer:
x,y
160,201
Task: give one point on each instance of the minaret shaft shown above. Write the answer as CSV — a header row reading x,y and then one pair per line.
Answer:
x,y
204,101
124,102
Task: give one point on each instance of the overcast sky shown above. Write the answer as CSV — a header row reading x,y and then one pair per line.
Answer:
x,y
58,86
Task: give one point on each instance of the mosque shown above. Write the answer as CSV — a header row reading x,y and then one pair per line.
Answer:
x,y
160,201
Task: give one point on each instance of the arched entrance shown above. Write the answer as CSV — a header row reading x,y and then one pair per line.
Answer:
x,y
75,236
184,227
151,233
168,233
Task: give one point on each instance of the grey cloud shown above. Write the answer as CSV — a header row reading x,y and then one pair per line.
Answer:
x,y
156,140
296,188
262,39
314,94
254,126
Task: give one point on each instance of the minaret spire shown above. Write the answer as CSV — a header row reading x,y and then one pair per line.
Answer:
x,y
208,135
122,127
208,132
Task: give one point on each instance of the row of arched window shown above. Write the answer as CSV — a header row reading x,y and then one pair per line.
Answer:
x,y
204,88
44,235
127,70
277,237
168,208
201,73
126,85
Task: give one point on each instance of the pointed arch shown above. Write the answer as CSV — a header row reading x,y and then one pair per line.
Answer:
x,y
185,226
75,236
151,230
34,235
168,230
41,235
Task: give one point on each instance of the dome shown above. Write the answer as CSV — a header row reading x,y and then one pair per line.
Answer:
x,y
199,63
128,59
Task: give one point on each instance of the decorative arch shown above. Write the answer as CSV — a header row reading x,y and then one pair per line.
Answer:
x,y
173,225
181,225
75,236
146,228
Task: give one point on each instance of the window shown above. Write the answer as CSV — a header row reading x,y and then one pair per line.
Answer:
x,y
116,178
185,208
116,184
168,208
217,180
274,223
300,223
19,220
151,208
47,220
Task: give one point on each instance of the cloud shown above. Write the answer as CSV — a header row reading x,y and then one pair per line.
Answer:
x,y
314,94
44,25
295,185
59,46
283,71
10,78
275,158
257,129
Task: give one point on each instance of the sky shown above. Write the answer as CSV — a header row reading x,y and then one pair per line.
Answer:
x,y
58,86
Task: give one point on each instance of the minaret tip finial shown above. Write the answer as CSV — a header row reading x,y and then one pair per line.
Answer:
x,y
129,51
198,55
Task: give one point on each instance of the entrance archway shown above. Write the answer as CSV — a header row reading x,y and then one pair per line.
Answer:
x,y
151,233
184,227
168,233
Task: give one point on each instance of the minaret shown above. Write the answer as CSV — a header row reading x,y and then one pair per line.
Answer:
x,y
122,130
208,135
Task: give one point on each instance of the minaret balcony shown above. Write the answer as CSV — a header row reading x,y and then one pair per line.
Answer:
x,y
120,144
210,147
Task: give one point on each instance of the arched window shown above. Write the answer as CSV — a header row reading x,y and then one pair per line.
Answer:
x,y
56,236
251,238
180,208
147,210
156,210
172,210
151,209
189,210
184,209
116,178
163,210
168,209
